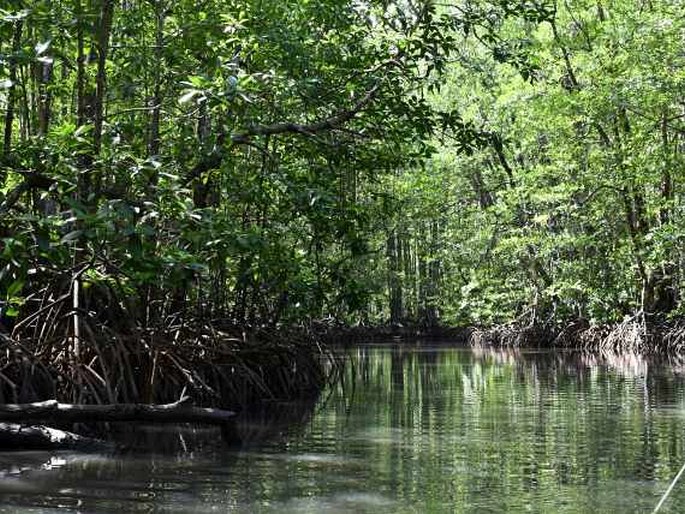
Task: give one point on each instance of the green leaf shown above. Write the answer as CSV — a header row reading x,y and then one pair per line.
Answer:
x,y
23,14
198,81
71,236
15,288
82,130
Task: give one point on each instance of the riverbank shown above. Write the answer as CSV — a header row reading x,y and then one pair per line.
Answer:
x,y
216,363
219,364
223,365
634,335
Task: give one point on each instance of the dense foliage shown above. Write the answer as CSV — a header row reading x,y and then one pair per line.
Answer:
x,y
573,208
274,161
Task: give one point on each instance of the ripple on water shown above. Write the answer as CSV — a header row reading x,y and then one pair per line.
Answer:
x,y
457,433
342,503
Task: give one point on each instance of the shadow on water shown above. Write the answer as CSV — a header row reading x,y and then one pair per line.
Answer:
x,y
40,481
265,422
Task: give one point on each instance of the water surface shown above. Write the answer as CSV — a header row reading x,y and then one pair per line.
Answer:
x,y
410,429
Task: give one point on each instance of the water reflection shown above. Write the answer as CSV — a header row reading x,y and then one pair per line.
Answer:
x,y
413,429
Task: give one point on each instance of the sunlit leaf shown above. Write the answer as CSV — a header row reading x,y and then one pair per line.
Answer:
x,y
41,48
188,96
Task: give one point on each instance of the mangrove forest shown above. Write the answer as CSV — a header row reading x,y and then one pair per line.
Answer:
x,y
342,256
200,200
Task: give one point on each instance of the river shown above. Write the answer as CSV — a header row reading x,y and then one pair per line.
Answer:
x,y
409,429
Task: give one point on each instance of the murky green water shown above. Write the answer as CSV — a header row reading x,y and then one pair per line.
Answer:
x,y
411,429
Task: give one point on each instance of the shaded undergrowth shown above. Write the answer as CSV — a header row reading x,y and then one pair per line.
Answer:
x,y
105,352
101,349
635,334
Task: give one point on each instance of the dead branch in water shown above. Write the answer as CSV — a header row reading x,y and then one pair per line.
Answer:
x,y
18,437
53,411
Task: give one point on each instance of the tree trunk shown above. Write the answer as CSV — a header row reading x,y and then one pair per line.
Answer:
x,y
44,71
156,107
103,33
666,179
80,67
394,283
9,114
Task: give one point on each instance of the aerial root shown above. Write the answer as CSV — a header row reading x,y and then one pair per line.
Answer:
x,y
631,335
118,360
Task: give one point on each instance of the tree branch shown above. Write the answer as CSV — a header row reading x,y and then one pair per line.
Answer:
x,y
177,412
310,129
32,180
215,158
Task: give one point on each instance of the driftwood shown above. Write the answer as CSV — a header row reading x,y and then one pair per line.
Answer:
x,y
39,437
53,411
14,436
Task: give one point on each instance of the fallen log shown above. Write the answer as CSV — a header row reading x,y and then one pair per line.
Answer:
x,y
53,411
38,437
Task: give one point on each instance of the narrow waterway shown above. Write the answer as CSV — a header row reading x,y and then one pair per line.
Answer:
x,y
411,428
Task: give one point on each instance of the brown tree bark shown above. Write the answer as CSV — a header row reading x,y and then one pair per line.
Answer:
x,y
102,41
156,101
9,114
52,411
